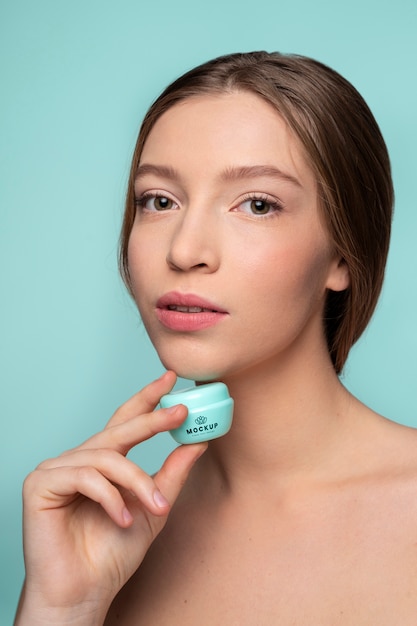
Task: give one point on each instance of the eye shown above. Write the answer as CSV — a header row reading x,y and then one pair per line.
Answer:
x,y
155,202
259,205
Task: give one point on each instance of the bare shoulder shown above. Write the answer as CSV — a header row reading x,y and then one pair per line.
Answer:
x,y
385,454
396,445
388,443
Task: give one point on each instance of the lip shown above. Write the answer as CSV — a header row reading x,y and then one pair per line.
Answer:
x,y
183,321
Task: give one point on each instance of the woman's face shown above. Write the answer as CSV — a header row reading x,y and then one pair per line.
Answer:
x,y
228,257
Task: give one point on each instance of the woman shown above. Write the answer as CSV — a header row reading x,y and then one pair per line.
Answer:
x,y
254,243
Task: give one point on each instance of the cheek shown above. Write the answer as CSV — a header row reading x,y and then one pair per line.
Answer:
x,y
139,259
133,254
141,251
311,267
289,277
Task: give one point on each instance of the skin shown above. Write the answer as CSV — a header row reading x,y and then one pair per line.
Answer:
x,y
274,293
306,511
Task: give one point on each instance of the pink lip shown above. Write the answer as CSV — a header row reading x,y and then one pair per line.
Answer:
x,y
184,321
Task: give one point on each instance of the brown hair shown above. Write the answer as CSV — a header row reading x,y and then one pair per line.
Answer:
x,y
346,152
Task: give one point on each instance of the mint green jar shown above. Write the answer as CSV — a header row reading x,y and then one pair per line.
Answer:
x,y
210,412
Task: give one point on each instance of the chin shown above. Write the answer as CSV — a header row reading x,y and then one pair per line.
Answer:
x,y
190,371
196,375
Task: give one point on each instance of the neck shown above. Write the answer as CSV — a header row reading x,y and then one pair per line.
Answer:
x,y
289,420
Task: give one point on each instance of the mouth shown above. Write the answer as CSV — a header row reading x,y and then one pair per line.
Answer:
x,y
189,309
187,303
187,312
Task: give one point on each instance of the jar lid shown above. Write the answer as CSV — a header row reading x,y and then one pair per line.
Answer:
x,y
196,397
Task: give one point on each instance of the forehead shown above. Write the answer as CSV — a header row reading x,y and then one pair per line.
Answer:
x,y
221,130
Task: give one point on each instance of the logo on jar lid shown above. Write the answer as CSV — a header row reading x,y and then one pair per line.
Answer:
x,y
201,419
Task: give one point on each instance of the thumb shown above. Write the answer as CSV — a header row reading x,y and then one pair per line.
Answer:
x,y
173,474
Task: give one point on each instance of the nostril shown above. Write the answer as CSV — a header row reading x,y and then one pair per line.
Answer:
x,y
192,248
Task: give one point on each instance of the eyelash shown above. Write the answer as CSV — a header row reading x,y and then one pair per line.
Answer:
x,y
276,206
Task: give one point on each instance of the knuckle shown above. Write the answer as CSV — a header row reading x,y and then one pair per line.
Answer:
x,y
29,483
46,464
85,473
102,457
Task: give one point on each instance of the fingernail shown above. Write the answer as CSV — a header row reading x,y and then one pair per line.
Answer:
x,y
159,499
172,409
127,516
201,452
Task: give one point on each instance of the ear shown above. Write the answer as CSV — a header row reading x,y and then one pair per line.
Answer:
x,y
338,278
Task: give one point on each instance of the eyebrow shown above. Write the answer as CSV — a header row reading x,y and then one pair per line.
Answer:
x,y
159,170
229,174
258,171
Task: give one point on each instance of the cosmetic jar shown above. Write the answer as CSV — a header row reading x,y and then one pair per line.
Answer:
x,y
210,412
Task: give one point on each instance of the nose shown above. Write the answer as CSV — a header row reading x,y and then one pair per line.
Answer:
x,y
195,242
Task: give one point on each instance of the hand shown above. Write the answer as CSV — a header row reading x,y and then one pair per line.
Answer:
x,y
91,514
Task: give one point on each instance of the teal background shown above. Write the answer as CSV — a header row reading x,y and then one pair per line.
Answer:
x,y
76,79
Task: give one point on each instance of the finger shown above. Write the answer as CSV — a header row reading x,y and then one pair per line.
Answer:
x,y
145,400
123,436
173,474
118,470
55,489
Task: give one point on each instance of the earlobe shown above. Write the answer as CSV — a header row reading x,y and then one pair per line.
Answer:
x,y
339,276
